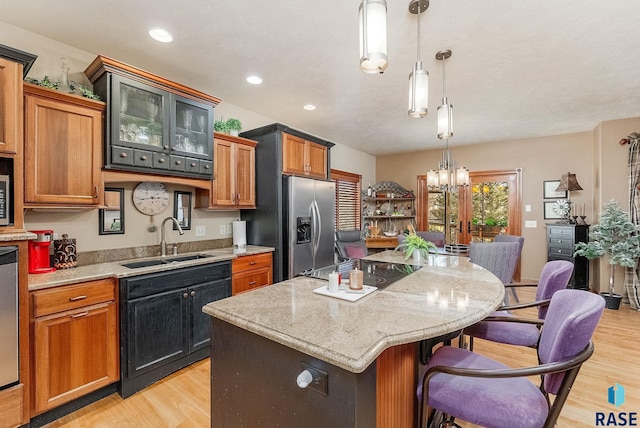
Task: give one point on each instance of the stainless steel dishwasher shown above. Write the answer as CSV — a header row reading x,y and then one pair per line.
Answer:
x,y
8,316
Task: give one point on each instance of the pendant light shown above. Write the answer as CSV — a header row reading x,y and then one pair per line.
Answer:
x,y
419,77
445,110
373,36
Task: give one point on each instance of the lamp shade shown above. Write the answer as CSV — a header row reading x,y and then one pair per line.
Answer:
x,y
418,91
373,36
445,120
568,182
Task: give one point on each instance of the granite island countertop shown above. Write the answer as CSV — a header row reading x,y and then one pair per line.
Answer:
x,y
448,293
117,270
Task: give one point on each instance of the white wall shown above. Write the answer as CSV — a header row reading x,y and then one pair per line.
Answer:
x,y
83,225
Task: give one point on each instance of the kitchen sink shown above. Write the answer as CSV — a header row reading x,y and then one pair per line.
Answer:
x,y
163,261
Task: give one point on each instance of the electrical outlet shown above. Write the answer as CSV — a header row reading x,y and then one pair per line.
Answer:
x,y
530,223
201,231
229,229
223,229
320,382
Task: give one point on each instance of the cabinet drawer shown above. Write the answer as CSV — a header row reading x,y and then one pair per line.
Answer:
x,y
561,231
68,297
561,242
121,155
177,163
161,161
255,261
561,253
206,167
192,165
143,158
249,280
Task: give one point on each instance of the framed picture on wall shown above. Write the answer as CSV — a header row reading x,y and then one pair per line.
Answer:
x,y
549,212
549,190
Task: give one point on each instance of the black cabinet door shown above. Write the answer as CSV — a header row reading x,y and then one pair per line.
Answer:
x,y
157,332
199,296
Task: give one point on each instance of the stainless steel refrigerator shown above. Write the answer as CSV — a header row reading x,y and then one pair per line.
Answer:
x,y
310,209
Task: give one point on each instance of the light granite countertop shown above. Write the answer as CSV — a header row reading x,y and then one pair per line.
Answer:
x,y
448,293
116,270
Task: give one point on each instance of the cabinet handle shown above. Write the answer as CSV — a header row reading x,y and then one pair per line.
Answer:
x,y
252,282
193,293
123,154
75,299
185,295
252,263
165,147
80,315
161,160
143,157
206,166
95,192
178,162
193,164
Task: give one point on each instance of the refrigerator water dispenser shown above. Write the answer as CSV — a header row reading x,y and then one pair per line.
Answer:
x,y
303,230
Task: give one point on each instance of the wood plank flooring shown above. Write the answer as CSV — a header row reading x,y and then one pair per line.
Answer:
x,y
183,399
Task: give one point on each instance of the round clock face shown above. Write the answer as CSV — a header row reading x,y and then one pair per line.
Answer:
x,y
150,198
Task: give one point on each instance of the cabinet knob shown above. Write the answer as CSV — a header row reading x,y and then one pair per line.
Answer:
x,y
123,154
193,164
143,157
185,295
206,167
193,293
178,162
161,160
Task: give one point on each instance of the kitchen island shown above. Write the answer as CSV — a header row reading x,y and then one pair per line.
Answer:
x,y
362,356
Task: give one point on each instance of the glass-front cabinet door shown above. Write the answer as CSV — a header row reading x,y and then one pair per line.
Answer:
x,y
139,113
193,134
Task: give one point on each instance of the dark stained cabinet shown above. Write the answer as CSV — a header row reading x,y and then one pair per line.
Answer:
x,y
561,242
153,124
163,328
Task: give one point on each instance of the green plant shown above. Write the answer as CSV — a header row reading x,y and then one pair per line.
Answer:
x,y
76,88
412,243
220,126
616,237
234,124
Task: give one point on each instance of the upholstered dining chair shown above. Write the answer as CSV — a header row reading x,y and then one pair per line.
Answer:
x,y
499,258
350,244
555,276
520,241
461,384
436,237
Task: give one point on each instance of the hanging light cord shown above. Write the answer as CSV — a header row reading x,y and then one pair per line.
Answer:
x,y
444,82
418,44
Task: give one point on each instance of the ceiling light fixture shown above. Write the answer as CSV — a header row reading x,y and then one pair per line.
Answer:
x,y
254,80
160,35
372,16
309,107
419,77
445,110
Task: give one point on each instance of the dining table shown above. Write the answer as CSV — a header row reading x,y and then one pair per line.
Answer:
x,y
290,354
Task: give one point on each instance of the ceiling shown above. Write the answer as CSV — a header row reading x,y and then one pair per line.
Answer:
x,y
519,69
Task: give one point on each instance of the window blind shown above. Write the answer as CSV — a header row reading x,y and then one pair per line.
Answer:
x,y
348,200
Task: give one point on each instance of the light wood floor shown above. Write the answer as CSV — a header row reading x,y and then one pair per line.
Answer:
x,y
182,399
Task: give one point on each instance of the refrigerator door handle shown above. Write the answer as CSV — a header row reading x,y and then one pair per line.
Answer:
x,y
317,222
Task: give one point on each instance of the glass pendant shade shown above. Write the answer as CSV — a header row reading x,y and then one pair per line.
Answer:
x,y
373,36
462,176
418,91
432,179
445,120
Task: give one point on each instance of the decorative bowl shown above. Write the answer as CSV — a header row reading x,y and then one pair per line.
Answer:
x,y
390,233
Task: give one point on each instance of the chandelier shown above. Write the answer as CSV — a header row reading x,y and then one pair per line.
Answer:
x,y
448,176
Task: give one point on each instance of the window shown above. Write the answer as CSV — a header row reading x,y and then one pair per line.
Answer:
x,y
348,200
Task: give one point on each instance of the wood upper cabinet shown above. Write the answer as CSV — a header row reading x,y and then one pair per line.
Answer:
x,y
303,157
10,105
63,148
75,342
234,184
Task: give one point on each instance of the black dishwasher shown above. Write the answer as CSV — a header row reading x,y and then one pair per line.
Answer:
x,y
162,326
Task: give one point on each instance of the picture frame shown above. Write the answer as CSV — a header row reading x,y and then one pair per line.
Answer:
x,y
111,217
182,209
549,213
549,190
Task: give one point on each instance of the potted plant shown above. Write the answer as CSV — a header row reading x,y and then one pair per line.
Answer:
x,y
415,246
220,126
234,126
616,237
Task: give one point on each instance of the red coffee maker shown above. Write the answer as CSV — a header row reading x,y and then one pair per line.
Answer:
x,y
39,252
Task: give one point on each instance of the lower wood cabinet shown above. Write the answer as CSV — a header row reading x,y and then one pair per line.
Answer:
x,y
251,271
75,342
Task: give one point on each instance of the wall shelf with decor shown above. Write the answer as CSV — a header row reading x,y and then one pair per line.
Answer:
x,y
387,209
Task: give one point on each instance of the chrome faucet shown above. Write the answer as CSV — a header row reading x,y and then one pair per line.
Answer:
x,y
163,242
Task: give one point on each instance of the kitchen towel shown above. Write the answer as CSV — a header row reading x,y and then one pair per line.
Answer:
x,y
239,236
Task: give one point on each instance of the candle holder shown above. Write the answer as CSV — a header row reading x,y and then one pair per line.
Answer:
x,y
583,218
575,219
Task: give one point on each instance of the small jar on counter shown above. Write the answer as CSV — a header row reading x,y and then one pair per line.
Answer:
x,y
356,278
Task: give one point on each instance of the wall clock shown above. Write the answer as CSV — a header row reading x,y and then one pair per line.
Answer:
x,y
150,198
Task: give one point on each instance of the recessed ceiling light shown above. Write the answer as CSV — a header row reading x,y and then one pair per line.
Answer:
x,y
254,80
309,107
160,35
